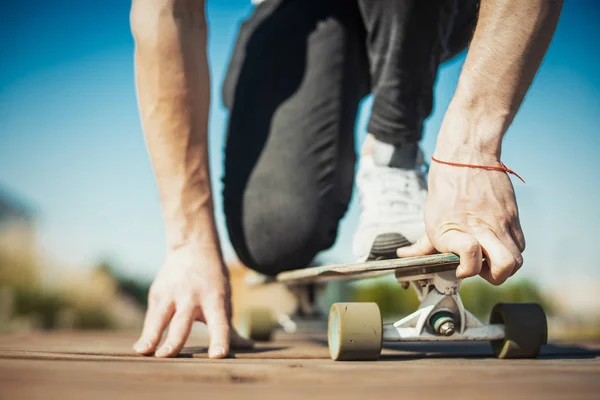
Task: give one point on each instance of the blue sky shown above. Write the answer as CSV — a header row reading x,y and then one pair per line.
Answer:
x,y
71,143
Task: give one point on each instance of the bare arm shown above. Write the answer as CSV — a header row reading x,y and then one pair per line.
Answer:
x,y
509,43
473,212
173,92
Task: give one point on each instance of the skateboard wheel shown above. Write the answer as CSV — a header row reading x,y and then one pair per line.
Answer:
x,y
258,324
525,329
355,332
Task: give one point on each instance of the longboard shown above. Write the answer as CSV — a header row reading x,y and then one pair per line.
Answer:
x,y
356,330
401,266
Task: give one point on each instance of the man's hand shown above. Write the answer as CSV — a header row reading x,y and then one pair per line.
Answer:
x,y
472,212
193,285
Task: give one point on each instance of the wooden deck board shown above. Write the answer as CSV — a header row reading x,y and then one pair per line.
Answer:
x,y
101,365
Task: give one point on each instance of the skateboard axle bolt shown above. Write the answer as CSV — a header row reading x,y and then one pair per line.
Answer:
x,y
447,328
443,323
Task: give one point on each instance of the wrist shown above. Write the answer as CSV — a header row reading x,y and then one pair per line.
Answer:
x,y
198,230
195,255
470,133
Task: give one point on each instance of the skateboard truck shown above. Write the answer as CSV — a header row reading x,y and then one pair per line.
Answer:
x,y
356,332
441,314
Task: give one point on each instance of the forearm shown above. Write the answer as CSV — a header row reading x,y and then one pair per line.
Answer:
x,y
172,80
508,45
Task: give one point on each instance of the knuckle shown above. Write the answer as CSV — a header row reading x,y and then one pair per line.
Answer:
x,y
497,281
153,296
502,271
217,296
186,306
517,234
505,262
522,244
518,261
471,245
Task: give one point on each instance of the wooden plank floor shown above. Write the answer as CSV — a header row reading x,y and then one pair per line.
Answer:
x,y
101,365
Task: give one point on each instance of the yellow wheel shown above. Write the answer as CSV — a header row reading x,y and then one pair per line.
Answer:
x,y
258,324
355,332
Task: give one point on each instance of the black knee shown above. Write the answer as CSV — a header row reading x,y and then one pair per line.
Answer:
x,y
275,233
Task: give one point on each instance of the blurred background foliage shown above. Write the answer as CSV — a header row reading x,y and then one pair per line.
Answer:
x,y
102,298
97,299
477,295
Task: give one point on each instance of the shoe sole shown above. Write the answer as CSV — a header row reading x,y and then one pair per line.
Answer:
x,y
385,245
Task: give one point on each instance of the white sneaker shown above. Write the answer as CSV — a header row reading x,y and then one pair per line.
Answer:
x,y
391,208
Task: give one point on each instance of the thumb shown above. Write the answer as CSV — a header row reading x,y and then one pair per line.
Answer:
x,y
218,329
421,247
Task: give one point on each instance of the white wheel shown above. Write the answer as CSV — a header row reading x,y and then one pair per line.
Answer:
x,y
355,332
258,324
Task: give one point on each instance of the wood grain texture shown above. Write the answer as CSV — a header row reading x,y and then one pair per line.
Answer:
x,y
100,365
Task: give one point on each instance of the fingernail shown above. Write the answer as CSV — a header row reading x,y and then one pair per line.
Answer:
x,y
142,346
164,351
217,352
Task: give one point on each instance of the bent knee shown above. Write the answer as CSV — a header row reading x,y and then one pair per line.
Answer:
x,y
274,240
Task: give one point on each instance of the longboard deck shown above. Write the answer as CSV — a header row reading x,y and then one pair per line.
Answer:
x,y
403,267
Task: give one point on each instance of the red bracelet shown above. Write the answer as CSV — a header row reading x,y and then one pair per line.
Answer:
x,y
502,168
